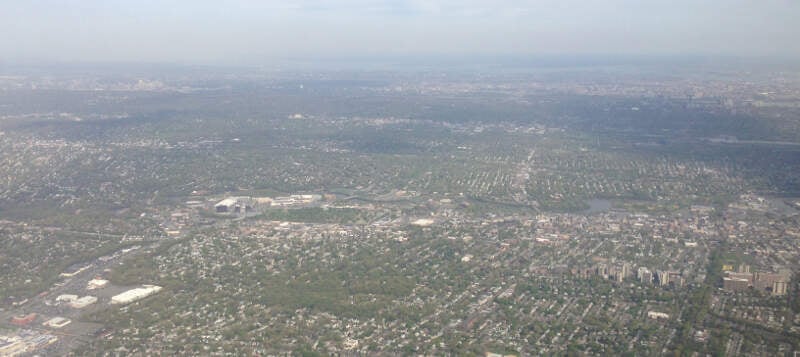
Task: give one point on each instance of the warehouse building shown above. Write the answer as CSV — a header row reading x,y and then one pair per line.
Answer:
x,y
75,270
57,322
83,302
135,294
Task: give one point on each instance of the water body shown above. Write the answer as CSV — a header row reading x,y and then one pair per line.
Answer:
x,y
597,205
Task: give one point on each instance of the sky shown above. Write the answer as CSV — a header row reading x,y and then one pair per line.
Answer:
x,y
251,32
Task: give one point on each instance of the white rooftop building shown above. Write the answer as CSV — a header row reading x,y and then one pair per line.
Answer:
x,y
657,315
96,284
225,205
135,294
423,222
66,298
83,302
57,322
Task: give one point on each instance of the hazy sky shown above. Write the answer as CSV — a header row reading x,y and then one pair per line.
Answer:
x,y
240,31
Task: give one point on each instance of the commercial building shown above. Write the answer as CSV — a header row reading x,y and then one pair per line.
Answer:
x,y
83,302
735,284
773,283
23,320
226,205
779,288
235,205
75,270
135,294
657,315
423,222
96,283
745,276
57,322
294,200
767,281
66,298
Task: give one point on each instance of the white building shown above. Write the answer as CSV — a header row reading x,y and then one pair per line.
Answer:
x,y
96,283
294,200
235,205
57,322
76,271
226,205
657,315
423,222
66,298
135,294
83,302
